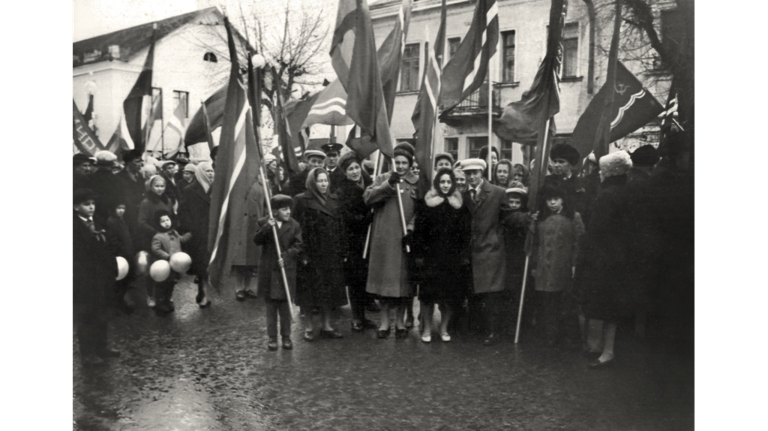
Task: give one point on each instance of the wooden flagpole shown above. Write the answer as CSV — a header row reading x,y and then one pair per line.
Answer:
x,y
368,235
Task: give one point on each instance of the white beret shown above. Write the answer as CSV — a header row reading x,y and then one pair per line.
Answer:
x,y
473,165
104,157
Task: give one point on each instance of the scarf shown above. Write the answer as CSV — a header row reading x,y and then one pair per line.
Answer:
x,y
312,185
201,177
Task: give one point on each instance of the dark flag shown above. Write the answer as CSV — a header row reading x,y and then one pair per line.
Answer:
x,y
297,112
133,104
88,114
603,133
83,137
328,106
390,55
237,167
633,106
360,74
199,127
424,113
467,69
283,130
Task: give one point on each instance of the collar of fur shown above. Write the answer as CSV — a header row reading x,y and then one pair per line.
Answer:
x,y
433,199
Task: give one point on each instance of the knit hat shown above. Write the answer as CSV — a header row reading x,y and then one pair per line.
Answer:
x,y
473,165
81,195
190,167
445,156
280,201
615,164
105,158
645,156
406,147
347,159
565,151
159,214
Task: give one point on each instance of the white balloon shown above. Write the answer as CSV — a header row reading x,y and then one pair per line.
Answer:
x,y
180,262
160,270
122,268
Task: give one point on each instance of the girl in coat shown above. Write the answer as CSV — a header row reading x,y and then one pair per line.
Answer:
x,y
155,200
556,247
388,277
320,284
442,234
270,276
515,235
356,217
193,216
502,174
165,244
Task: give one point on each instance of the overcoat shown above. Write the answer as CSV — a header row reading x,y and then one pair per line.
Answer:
x,y
603,276
109,192
94,267
336,177
515,234
489,216
270,279
388,269
321,281
246,252
193,217
442,233
356,217
146,223
556,248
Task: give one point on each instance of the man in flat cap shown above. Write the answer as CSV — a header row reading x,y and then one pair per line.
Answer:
x,y
81,170
314,158
490,211
107,187
332,152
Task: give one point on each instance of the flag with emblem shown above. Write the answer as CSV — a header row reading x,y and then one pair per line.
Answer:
x,y
83,137
467,69
237,167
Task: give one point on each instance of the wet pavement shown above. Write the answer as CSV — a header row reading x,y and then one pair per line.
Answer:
x,y
209,369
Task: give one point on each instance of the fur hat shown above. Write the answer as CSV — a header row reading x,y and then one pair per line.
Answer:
x,y
615,164
565,151
644,156
280,201
80,158
131,155
81,195
347,158
105,158
473,165
551,191
162,213
445,156
405,146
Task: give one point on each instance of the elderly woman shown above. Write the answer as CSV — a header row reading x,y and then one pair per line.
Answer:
x,y
442,234
356,217
193,216
389,278
320,283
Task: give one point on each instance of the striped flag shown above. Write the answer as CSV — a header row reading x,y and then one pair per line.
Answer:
x,y
176,122
468,67
424,113
207,118
134,103
330,107
121,139
237,166
390,55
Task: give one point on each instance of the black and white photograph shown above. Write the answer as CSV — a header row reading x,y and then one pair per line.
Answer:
x,y
388,215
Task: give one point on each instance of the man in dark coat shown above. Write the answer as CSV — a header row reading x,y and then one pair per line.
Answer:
x,y
565,158
314,159
332,151
643,161
81,169
94,271
133,190
490,211
168,171
107,186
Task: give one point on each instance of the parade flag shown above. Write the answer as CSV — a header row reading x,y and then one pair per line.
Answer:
x,y
207,124
121,139
603,133
237,167
424,113
176,122
329,107
390,54
84,138
155,113
359,74
199,126
283,131
467,69
133,104
296,112
88,114
633,106
521,120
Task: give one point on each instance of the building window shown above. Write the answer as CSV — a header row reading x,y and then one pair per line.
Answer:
x,y
209,56
571,50
452,147
508,37
453,45
409,69
506,150
475,144
181,97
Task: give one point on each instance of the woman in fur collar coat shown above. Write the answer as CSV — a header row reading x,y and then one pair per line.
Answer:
x,y
441,248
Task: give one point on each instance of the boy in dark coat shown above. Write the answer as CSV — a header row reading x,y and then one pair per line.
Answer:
x,y
94,272
270,278
120,236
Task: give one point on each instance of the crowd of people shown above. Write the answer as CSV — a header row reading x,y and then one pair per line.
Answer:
x,y
598,246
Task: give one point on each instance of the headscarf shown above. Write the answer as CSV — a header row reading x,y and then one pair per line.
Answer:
x,y
312,185
510,168
147,171
436,182
201,177
151,182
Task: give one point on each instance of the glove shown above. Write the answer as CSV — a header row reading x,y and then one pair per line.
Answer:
x,y
394,179
408,240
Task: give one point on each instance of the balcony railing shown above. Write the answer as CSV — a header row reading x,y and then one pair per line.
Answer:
x,y
477,102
